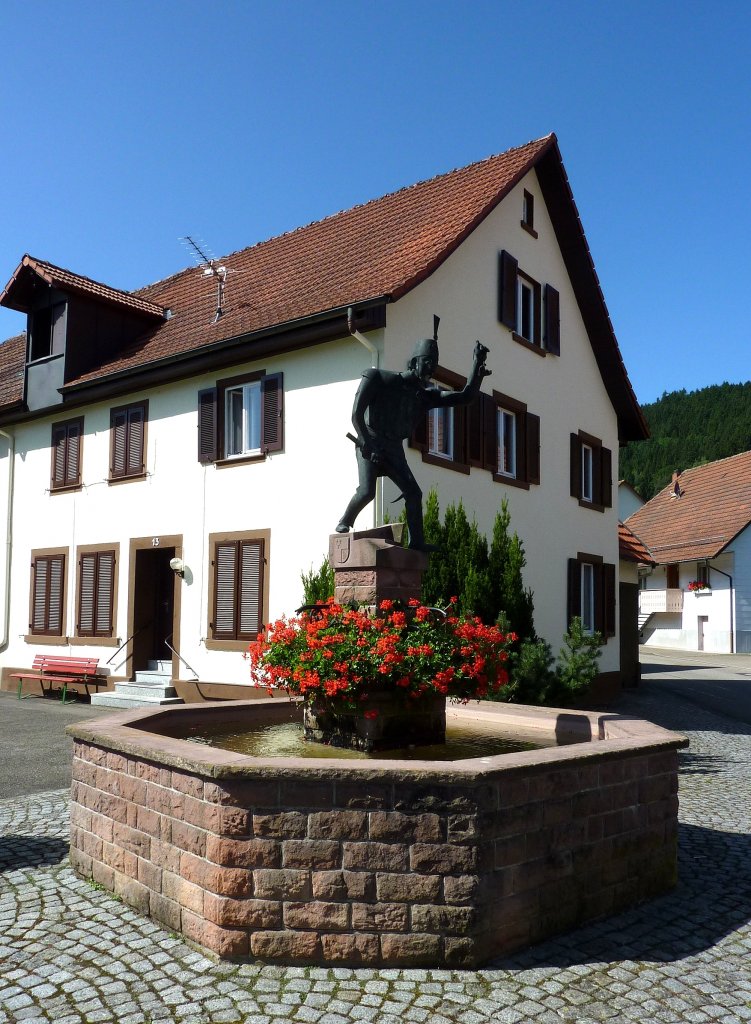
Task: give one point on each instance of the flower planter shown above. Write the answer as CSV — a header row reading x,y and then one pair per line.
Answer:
x,y
385,721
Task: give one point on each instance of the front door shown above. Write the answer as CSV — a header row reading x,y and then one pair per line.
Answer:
x,y
703,620
153,606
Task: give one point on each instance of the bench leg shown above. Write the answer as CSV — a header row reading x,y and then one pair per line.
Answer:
x,y
23,696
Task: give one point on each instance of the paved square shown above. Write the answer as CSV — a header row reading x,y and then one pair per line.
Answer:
x,y
70,953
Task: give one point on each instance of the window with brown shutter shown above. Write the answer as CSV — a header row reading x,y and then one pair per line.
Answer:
x,y
520,308
504,437
242,418
591,472
66,455
591,593
238,599
128,441
96,593
47,604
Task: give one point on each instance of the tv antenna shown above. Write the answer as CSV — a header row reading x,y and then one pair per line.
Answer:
x,y
208,265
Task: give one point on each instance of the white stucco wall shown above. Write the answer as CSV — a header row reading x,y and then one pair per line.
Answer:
x,y
628,501
682,630
567,393
299,494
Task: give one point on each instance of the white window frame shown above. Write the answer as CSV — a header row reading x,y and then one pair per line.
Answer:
x,y
525,300
587,475
588,597
507,427
435,415
250,426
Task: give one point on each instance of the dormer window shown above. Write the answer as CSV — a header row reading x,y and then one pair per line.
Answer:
x,y
47,331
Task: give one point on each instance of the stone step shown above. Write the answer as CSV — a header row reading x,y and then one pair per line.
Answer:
x,y
113,699
144,689
149,677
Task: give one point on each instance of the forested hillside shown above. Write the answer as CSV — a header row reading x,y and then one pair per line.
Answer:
x,y
688,429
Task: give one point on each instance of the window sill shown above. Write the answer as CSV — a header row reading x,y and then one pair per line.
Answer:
x,y
227,645
438,460
65,490
45,638
94,641
528,344
529,228
126,479
511,481
591,504
240,460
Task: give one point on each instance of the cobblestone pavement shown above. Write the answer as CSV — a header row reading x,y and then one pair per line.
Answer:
x,y
70,953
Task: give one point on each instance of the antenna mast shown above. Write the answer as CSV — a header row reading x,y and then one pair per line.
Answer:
x,y
210,270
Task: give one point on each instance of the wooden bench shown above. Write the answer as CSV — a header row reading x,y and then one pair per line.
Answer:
x,y
60,668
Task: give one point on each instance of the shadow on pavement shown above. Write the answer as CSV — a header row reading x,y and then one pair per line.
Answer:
x,y
712,898
30,852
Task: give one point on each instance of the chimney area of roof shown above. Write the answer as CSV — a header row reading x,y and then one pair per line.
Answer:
x,y
676,491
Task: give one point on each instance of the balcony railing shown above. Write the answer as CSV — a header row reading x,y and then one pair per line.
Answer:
x,y
652,601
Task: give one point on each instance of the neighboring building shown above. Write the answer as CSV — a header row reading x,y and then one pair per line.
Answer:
x,y
699,595
208,424
629,500
633,555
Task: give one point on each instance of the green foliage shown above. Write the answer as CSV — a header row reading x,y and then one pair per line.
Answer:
x,y
536,677
318,586
578,661
688,429
486,581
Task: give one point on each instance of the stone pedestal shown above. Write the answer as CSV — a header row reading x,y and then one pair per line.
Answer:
x,y
372,566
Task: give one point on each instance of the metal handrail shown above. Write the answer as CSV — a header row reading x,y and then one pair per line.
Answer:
x,y
124,644
167,642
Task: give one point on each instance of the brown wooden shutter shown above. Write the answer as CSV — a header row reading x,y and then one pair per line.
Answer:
x,y
225,589
250,604
59,435
606,478
105,593
96,593
73,454
574,606
507,272
608,586
552,321
533,448
272,425
207,426
135,459
86,594
576,466
490,433
119,427
39,595
475,431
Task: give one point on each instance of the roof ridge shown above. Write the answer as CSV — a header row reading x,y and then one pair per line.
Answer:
x,y
352,209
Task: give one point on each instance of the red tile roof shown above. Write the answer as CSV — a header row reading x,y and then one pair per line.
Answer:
x,y
715,505
630,548
67,281
379,250
12,356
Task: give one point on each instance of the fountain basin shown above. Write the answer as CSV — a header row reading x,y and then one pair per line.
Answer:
x,y
375,862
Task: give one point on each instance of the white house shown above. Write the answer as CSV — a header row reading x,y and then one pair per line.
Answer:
x,y
698,595
204,419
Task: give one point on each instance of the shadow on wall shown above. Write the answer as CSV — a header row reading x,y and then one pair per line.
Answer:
x,y
712,899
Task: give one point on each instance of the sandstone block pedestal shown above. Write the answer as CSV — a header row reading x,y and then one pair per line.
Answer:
x,y
372,566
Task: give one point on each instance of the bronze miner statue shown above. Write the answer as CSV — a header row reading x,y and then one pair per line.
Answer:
x,y
388,406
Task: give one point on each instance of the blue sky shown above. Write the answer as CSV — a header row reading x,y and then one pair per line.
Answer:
x,y
128,125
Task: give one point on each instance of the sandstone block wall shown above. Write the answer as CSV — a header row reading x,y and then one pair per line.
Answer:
x,y
380,870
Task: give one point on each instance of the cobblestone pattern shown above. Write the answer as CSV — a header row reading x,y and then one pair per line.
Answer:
x,y
376,873
71,954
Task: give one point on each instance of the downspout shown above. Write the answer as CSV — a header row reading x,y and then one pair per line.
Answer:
x,y
8,538
374,360
732,601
